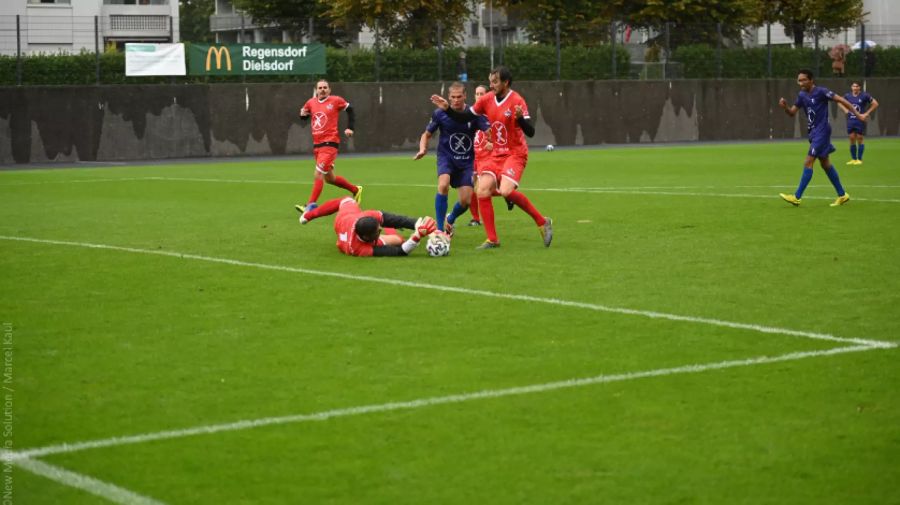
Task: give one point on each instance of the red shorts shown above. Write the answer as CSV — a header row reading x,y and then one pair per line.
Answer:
x,y
509,167
324,157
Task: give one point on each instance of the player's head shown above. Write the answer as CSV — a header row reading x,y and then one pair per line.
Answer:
x,y
855,88
367,229
323,89
480,91
457,96
805,79
501,80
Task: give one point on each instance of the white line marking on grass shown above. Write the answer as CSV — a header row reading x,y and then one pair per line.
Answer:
x,y
422,402
717,195
96,487
467,291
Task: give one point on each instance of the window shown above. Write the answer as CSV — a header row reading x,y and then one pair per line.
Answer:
x,y
136,2
474,28
59,2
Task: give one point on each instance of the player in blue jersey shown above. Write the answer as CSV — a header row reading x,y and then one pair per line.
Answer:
x,y
455,156
863,106
814,101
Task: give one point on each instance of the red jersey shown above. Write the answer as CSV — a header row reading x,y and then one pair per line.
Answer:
x,y
506,134
323,116
344,223
480,141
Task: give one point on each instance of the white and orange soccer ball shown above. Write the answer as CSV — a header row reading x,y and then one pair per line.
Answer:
x,y
438,244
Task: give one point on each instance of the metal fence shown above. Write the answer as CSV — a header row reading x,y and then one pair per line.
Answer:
x,y
612,50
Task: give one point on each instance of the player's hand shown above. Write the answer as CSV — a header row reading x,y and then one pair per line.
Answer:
x,y
782,103
440,102
425,226
863,117
348,132
519,112
304,112
488,146
419,155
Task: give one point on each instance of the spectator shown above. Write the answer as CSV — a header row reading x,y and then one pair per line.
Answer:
x,y
462,72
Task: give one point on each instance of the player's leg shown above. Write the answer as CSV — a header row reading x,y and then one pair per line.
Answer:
x,y
390,236
326,162
860,148
462,181
441,198
835,179
318,183
326,209
804,181
853,148
487,184
473,202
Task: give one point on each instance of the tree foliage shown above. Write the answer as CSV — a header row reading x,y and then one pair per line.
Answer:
x,y
406,23
193,20
302,18
802,17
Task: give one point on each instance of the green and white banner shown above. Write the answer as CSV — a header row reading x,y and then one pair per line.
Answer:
x,y
154,59
257,59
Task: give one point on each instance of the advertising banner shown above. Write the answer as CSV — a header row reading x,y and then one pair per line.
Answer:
x,y
257,59
154,59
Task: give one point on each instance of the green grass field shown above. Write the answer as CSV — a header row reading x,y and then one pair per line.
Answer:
x,y
173,335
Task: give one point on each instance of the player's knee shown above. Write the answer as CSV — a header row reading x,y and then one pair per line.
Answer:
x,y
444,189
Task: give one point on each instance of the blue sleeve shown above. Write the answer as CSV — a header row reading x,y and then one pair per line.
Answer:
x,y
798,102
482,124
435,122
827,92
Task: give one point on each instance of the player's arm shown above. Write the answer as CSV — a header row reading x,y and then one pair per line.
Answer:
x,y
351,121
524,122
865,115
424,226
389,220
304,112
423,145
842,102
841,106
790,111
389,250
461,117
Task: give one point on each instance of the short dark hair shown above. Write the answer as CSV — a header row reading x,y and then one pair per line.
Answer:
x,y
503,74
366,228
808,73
858,83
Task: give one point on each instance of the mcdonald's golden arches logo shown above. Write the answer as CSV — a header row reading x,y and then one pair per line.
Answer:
x,y
219,52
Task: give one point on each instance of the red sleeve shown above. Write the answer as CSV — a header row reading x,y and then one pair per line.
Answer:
x,y
524,105
478,108
341,103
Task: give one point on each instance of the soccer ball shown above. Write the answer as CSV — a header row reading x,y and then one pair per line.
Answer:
x,y
438,244
550,147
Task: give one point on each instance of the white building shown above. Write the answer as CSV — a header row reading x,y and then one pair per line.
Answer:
x,y
72,26
882,26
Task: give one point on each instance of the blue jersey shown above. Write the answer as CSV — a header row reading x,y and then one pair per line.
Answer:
x,y
860,103
455,145
815,103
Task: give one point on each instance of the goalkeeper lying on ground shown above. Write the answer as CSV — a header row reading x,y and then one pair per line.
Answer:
x,y
370,232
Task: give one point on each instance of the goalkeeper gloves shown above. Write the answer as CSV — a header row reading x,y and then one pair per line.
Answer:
x,y
424,226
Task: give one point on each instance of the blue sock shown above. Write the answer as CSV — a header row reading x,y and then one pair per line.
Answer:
x,y
862,147
440,209
804,181
853,151
457,211
835,180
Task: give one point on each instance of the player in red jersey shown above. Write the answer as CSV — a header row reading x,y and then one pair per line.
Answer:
x,y
323,110
482,152
507,112
370,232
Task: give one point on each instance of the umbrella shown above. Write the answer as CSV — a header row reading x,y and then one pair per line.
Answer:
x,y
858,45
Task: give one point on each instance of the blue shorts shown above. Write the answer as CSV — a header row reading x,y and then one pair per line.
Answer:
x,y
856,127
459,176
820,147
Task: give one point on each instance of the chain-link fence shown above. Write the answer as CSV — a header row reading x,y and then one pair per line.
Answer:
x,y
89,50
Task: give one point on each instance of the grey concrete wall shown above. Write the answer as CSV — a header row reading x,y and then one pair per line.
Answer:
x,y
106,123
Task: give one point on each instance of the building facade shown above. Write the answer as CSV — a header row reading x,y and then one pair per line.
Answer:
x,y
73,26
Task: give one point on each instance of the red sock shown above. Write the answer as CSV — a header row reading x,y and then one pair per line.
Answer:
x,y
326,209
525,204
486,206
473,206
318,184
344,183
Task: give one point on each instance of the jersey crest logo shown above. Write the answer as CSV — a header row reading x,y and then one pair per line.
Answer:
x,y
507,113
329,106
460,143
342,237
499,133
319,121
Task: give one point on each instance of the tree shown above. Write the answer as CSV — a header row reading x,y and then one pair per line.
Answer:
x,y
800,17
298,17
406,23
581,22
193,20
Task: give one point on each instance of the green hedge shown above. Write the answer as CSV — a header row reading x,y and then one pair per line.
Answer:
x,y
528,62
699,62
